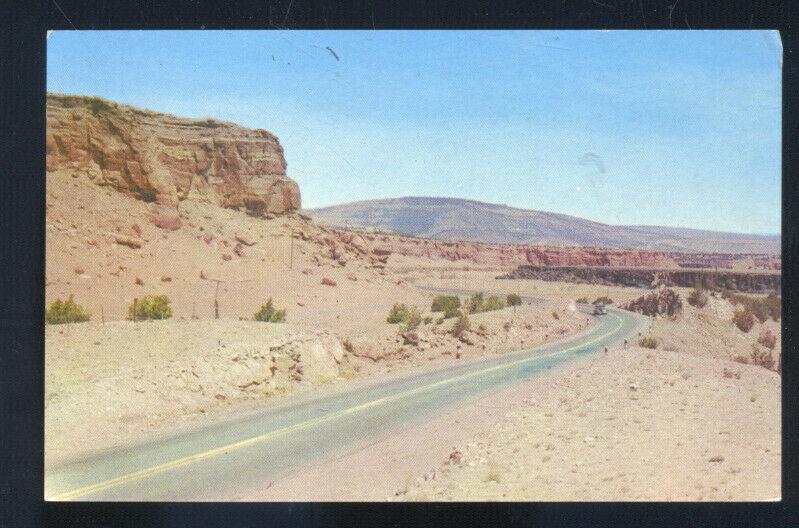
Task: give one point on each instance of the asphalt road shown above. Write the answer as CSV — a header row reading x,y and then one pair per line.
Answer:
x,y
221,460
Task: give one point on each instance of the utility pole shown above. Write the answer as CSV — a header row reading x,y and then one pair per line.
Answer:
x,y
216,292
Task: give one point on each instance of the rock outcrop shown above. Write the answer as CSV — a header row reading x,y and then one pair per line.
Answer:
x,y
164,159
761,283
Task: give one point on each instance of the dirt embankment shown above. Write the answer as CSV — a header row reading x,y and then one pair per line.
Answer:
x,y
172,373
680,422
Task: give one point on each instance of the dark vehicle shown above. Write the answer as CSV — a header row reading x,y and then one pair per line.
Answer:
x,y
599,309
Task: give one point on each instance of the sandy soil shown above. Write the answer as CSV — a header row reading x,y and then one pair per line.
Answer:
x,y
174,373
681,422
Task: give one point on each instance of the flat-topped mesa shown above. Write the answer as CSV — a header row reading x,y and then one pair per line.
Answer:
x,y
165,159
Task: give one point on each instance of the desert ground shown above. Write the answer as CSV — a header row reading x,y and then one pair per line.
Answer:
x,y
694,418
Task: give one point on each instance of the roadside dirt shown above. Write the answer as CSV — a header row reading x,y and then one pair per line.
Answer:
x,y
184,372
682,422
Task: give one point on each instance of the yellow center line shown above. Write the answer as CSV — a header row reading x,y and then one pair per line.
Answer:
x,y
143,473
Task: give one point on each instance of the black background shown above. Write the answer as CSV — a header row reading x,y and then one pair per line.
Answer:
x,y
22,182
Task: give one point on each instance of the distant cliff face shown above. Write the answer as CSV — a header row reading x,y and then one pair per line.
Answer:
x,y
164,159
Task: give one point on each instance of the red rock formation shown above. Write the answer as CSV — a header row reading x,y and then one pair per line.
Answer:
x,y
165,159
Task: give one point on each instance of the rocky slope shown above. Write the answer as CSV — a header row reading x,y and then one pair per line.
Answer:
x,y
164,159
458,219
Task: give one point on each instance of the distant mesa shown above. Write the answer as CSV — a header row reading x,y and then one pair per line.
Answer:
x,y
460,219
164,159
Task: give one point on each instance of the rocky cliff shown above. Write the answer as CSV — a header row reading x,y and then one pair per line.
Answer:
x,y
164,159
648,278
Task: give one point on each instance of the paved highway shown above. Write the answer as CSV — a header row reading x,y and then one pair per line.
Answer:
x,y
220,460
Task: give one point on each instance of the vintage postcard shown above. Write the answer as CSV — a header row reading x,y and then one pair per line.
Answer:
x,y
413,266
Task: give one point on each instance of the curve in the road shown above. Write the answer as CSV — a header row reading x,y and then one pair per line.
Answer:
x,y
249,452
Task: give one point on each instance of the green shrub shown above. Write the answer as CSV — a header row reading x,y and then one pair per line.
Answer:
x,y
761,307
410,317
743,319
150,307
767,339
443,303
513,299
475,303
68,311
582,300
269,314
427,319
461,325
648,342
412,320
493,303
478,303
397,314
697,298
604,299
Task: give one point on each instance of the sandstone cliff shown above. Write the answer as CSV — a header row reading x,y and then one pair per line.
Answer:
x,y
164,159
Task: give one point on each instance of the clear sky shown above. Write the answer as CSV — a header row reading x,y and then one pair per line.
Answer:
x,y
625,127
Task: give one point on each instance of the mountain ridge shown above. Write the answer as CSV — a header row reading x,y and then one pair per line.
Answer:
x,y
451,218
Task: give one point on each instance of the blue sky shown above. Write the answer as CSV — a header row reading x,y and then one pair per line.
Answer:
x,y
625,127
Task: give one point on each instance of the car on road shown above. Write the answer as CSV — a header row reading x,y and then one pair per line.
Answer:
x,y
599,309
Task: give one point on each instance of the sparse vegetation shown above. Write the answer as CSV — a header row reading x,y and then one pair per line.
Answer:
x,y
663,302
603,299
150,307
481,328
68,311
582,300
461,325
408,316
767,339
760,307
412,320
475,303
348,346
493,303
397,314
449,304
648,342
762,358
555,315
744,319
268,313
97,105
478,303
513,299
427,319
697,298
